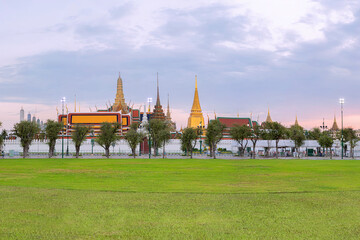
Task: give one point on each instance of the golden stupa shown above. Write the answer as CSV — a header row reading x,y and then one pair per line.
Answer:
x,y
196,118
120,99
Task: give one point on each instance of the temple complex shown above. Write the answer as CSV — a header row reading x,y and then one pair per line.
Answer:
x,y
196,118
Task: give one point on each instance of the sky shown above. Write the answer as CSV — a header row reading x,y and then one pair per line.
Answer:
x,y
295,57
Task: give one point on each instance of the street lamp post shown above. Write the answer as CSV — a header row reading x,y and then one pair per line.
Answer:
x,y
67,136
149,101
62,132
323,127
200,133
92,142
342,101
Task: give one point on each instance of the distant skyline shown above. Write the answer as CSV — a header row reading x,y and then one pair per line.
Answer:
x,y
297,57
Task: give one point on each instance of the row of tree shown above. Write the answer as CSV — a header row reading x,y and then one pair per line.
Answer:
x,y
270,131
158,133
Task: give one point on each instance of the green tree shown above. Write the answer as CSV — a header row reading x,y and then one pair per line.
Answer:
x,y
4,133
78,136
52,134
314,134
188,140
2,138
351,138
159,132
241,134
296,134
26,131
256,132
108,135
275,131
213,136
134,137
326,141
165,137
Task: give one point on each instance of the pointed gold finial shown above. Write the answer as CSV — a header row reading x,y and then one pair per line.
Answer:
x,y
268,118
335,126
296,121
196,81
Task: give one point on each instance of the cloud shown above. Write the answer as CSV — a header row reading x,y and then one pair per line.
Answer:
x,y
295,56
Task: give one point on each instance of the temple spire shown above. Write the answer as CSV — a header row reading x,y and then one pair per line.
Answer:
x,y
335,126
196,118
158,112
158,95
168,115
268,118
296,121
119,99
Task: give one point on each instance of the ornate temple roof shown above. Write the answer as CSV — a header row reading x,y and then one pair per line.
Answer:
x,y
158,112
120,99
268,118
335,127
230,122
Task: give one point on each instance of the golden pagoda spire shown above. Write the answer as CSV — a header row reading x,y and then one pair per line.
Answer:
x,y
196,118
120,99
268,118
296,121
168,115
335,126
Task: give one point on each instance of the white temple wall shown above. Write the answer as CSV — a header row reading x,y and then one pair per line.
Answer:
x,y
172,147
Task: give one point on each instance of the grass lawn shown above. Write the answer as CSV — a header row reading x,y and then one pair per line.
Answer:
x,y
179,199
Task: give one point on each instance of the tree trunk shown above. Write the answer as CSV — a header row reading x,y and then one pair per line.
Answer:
x,y
330,154
191,153
214,151
164,150
51,149
133,152
254,153
298,152
107,152
277,156
25,151
210,150
77,151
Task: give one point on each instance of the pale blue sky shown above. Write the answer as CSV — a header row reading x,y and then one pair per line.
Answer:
x,y
295,56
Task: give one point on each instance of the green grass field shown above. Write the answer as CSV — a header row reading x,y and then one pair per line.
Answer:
x,y
179,199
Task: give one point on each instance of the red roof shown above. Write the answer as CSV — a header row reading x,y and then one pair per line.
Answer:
x,y
230,122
